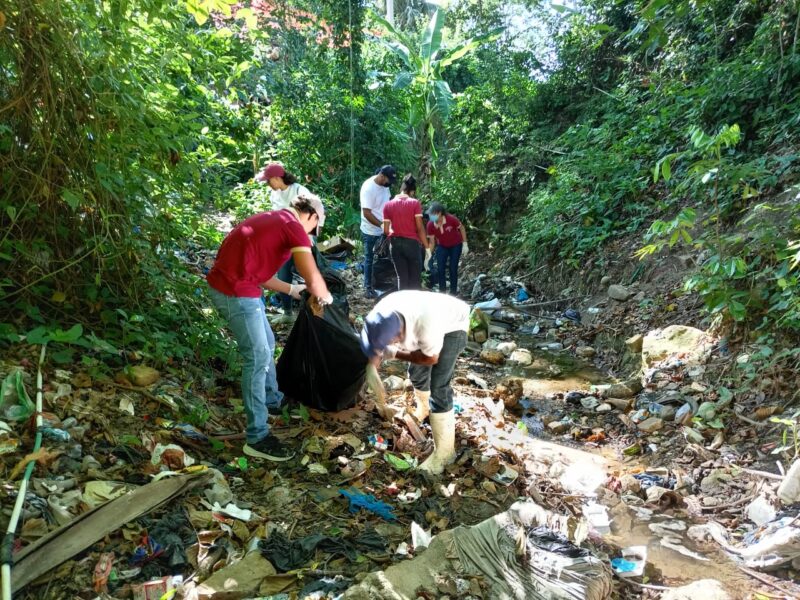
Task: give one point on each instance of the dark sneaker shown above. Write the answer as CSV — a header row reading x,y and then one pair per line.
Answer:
x,y
275,410
270,449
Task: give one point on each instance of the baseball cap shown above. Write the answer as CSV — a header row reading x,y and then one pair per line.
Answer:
x,y
273,169
316,204
389,171
380,328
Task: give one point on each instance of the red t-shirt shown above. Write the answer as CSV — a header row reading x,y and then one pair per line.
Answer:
x,y
449,235
253,252
401,211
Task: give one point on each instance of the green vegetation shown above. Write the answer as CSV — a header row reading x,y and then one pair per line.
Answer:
x,y
557,129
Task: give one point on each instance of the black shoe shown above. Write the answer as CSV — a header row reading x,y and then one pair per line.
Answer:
x,y
270,449
275,411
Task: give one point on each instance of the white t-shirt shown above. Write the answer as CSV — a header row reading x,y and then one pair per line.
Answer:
x,y
281,198
374,197
428,316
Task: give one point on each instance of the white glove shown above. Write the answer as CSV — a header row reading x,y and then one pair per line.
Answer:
x,y
324,301
296,290
428,255
390,351
464,249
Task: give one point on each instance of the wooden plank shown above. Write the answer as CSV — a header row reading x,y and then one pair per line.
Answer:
x,y
77,535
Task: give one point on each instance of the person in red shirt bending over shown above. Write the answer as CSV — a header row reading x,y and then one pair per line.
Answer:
x,y
247,261
450,239
402,224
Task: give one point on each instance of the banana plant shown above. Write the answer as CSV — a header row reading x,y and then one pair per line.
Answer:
x,y
424,60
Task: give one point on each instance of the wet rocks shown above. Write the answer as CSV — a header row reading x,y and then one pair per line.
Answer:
x,y
605,280
693,345
142,376
651,425
619,292
494,357
507,348
521,357
707,589
634,343
557,427
627,389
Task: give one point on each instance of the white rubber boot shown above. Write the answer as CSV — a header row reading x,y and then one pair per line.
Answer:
x,y
423,407
443,426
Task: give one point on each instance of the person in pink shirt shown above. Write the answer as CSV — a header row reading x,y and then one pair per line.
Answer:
x,y
402,224
450,239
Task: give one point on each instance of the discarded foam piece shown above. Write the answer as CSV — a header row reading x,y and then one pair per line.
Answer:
x,y
497,551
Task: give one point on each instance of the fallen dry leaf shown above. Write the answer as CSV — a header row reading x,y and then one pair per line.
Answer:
x,y
42,456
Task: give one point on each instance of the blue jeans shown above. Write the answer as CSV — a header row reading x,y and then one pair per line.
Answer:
x,y
370,242
285,275
248,323
448,255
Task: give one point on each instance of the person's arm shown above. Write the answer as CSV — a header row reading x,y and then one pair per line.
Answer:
x,y
308,270
423,238
367,212
463,233
417,357
276,285
386,224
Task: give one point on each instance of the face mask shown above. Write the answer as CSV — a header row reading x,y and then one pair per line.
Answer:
x,y
435,218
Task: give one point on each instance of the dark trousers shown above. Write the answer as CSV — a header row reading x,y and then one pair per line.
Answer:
x,y
436,378
447,262
370,243
407,263
285,274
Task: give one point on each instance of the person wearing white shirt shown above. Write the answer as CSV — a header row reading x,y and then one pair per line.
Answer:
x,y
375,193
284,189
429,331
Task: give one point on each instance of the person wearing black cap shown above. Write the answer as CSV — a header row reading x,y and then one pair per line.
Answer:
x,y
428,330
375,193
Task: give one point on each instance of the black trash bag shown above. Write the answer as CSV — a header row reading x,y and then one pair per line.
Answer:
x,y
322,365
384,275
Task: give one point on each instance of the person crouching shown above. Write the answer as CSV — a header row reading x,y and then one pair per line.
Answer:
x,y
429,331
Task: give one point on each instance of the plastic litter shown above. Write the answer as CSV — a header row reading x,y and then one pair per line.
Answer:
x,y
156,589
572,315
760,511
190,432
419,537
400,464
231,510
632,561
409,497
55,435
522,295
368,502
170,456
766,548
378,442
597,515
489,305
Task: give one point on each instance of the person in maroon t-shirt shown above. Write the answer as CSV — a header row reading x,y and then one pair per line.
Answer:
x,y
247,261
402,224
450,239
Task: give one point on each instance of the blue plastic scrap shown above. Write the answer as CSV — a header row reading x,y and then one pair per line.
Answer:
x,y
368,502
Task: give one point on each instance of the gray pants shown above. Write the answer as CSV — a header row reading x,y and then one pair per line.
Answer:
x,y
436,378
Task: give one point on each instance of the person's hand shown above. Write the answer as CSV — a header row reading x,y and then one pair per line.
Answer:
x,y
296,290
326,300
390,351
428,255
464,249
